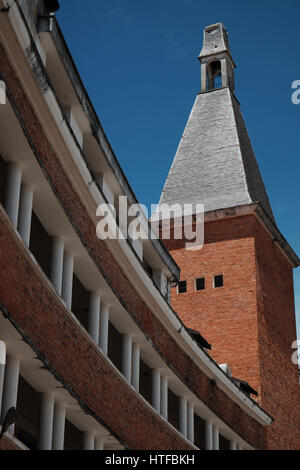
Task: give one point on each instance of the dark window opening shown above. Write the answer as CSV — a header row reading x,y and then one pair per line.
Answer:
x,y
40,244
28,412
73,437
173,409
146,381
80,302
182,287
115,340
218,281
224,444
199,425
200,283
214,75
147,268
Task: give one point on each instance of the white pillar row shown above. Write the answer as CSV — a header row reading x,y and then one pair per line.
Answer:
x,y
57,262
67,280
208,435
190,423
2,369
127,357
216,437
94,316
233,445
59,421
135,374
13,188
183,416
46,422
164,397
88,440
156,389
103,333
99,443
25,212
10,389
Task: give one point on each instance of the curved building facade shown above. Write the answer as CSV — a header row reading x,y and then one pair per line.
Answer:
x,y
93,354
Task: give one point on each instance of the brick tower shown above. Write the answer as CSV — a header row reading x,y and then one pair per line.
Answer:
x,y
238,290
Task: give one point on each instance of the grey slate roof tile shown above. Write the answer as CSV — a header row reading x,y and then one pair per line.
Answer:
x,y
215,163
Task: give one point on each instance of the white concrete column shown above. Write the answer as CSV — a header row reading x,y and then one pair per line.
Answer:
x,y
208,435
25,212
203,77
13,188
233,445
88,440
164,396
103,333
46,422
183,416
127,357
2,369
10,389
135,375
94,316
99,443
190,422
216,437
59,422
57,262
224,70
67,280
156,389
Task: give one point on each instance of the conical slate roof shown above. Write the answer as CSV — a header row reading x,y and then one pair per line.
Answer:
x,y
215,163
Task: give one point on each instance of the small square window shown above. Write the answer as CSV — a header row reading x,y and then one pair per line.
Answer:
x,y
200,283
182,287
219,281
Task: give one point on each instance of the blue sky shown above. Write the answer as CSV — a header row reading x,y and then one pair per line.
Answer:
x,y
138,60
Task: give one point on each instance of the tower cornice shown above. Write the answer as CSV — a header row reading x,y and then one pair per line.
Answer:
x,y
257,210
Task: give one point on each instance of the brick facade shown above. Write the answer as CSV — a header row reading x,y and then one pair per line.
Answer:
x,y
250,321
37,311
46,324
280,392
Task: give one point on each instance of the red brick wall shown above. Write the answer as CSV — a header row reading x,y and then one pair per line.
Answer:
x,y
250,322
229,250
277,331
39,312
41,315
43,319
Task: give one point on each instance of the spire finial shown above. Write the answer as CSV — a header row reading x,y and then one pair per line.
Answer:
x,y
217,65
